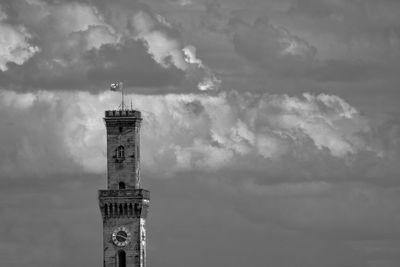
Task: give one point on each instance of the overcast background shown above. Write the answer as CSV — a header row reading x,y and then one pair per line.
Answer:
x,y
271,129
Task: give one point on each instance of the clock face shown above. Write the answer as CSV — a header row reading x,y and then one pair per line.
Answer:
x,y
121,236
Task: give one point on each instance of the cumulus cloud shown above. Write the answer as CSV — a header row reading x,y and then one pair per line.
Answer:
x,y
63,32
72,35
208,80
15,43
269,127
160,46
261,133
167,50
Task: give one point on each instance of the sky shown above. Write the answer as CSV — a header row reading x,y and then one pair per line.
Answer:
x,y
271,132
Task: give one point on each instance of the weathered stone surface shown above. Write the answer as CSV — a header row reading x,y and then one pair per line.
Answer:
x,y
123,205
123,131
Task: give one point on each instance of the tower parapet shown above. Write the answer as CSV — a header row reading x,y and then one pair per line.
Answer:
x,y
123,113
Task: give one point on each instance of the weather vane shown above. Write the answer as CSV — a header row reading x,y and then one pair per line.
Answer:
x,y
119,86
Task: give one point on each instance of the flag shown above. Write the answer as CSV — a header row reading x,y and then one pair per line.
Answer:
x,y
115,86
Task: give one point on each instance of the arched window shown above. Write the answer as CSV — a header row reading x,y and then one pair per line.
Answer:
x,y
121,258
121,185
120,152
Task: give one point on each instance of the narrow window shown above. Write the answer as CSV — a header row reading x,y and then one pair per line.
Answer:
x,y
125,209
121,258
111,210
121,185
130,209
120,152
106,210
120,210
136,210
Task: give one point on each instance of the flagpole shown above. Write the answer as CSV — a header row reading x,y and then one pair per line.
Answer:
x,y
122,92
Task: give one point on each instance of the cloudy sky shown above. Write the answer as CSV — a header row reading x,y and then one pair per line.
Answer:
x,y
271,133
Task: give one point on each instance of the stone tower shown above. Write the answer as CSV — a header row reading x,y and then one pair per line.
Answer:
x,y
124,204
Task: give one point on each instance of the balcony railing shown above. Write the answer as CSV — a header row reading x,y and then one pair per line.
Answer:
x,y
130,193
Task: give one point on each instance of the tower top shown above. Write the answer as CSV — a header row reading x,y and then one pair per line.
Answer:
x,y
130,113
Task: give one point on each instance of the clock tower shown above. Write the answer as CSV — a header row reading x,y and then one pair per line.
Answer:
x,y
123,204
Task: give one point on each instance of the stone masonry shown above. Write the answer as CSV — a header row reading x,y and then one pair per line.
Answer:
x,y
124,204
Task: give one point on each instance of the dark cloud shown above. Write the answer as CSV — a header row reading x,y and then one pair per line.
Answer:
x,y
288,56
314,8
95,69
110,63
369,30
271,46
341,70
79,46
278,51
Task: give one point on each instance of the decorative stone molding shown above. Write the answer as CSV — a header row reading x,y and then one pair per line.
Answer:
x,y
125,193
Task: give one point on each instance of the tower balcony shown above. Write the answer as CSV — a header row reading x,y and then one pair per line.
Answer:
x,y
121,118
125,193
124,203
